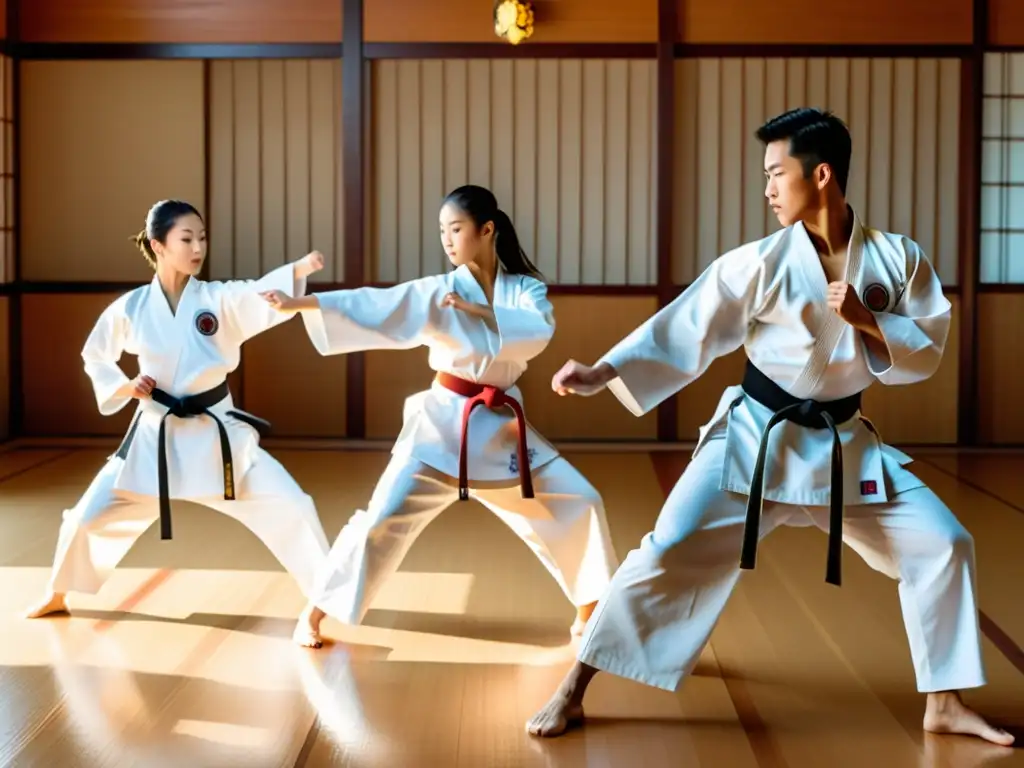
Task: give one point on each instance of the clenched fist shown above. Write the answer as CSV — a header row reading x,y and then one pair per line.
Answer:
x,y
315,261
843,300
308,264
280,300
452,299
142,387
575,378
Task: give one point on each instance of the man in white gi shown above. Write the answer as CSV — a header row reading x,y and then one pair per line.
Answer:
x,y
824,308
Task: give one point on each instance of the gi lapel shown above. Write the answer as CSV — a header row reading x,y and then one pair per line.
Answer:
x,y
167,332
832,326
467,286
481,334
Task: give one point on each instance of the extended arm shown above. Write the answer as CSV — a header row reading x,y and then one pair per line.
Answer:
x,y
245,309
360,319
674,347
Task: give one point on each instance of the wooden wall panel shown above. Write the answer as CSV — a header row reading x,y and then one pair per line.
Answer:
x,y
7,181
275,166
567,146
1006,22
5,368
287,382
59,399
130,133
472,21
876,22
160,21
921,413
3,18
587,327
903,115
1002,170
1000,368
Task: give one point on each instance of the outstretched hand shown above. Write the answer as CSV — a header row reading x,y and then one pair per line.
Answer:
x,y
279,300
575,378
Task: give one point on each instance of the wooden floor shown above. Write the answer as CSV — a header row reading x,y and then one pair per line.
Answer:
x,y
184,659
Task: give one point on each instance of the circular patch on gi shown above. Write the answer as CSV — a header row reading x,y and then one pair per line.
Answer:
x,y
876,297
206,323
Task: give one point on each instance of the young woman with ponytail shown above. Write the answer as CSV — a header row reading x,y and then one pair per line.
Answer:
x,y
483,322
187,440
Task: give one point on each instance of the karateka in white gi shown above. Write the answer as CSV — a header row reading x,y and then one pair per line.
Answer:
x,y
824,308
483,322
186,440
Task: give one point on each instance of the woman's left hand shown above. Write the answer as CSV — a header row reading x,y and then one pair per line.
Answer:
x,y
452,299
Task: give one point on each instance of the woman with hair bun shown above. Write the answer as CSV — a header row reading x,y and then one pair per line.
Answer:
x,y
482,322
186,440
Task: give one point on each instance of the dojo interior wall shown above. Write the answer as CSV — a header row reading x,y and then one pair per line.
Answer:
x,y
7,229
160,21
274,185
256,144
574,21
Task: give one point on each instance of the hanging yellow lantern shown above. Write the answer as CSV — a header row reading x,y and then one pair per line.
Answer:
x,y
513,20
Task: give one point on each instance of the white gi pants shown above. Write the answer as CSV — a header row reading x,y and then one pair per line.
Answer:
x,y
667,596
564,526
105,523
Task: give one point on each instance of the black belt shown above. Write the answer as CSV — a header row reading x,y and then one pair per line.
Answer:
x,y
189,407
812,415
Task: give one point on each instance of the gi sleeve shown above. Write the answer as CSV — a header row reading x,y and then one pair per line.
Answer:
x,y
915,331
674,347
246,312
526,328
101,353
360,319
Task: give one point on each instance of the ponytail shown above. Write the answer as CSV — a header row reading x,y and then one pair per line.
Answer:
x,y
143,244
480,205
510,253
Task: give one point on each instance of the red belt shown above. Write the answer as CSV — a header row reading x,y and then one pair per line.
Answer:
x,y
491,397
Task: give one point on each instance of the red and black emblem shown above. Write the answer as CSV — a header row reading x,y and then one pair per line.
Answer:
x,y
876,297
206,323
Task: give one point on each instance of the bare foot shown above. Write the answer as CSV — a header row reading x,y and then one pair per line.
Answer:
x,y
54,603
583,614
307,629
565,709
946,713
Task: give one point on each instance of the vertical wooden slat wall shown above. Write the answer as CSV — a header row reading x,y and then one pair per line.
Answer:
x,y
904,116
7,231
10,298
620,140
567,146
275,166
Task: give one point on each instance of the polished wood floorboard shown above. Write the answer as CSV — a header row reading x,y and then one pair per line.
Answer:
x,y
185,659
